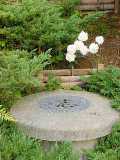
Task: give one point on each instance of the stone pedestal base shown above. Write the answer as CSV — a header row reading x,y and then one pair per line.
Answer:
x,y
78,146
81,145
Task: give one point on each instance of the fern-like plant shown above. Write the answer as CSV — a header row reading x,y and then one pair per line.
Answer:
x,y
5,116
18,74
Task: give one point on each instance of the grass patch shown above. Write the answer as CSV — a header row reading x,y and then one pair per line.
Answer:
x,y
14,145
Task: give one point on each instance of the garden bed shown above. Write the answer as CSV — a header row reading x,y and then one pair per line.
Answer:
x,y
68,77
34,36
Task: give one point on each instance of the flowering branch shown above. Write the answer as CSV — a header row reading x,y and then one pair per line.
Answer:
x,y
80,47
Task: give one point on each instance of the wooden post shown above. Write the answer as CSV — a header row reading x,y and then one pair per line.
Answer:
x,y
117,6
100,66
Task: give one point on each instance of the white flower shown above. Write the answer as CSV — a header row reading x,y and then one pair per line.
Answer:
x,y
81,47
93,48
83,36
84,50
71,49
99,39
70,57
78,44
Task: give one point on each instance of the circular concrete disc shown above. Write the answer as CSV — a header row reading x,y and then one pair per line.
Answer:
x,y
91,122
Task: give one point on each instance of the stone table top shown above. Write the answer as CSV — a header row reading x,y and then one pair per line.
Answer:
x,y
92,122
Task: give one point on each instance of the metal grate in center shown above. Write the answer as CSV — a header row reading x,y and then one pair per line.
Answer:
x,y
63,103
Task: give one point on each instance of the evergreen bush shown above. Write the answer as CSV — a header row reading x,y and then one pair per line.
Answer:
x,y
40,24
107,83
18,74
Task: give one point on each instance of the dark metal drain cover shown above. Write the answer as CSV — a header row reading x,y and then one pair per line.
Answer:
x,y
63,102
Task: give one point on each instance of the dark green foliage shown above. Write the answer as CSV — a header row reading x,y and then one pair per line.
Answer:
x,y
99,27
111,141
18,74
107,83
40,24
16,146
68,6
53,83
116,103
108,147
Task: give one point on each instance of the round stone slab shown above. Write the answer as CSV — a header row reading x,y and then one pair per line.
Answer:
x,y
90,116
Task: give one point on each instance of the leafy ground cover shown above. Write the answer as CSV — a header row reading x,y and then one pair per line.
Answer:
x,y
108,148
107,83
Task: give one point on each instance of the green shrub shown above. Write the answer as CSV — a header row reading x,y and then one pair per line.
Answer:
x,y
39,24
68,6
107,83
116,103
53,83
108,147
18,74
99,27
